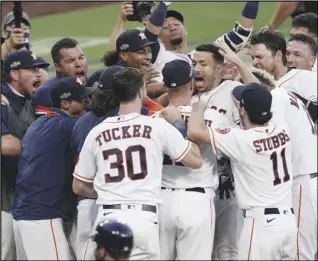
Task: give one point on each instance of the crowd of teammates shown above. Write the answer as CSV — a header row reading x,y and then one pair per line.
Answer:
x,y
166,153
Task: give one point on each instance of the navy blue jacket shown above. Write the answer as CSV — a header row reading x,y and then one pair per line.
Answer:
x,y
44,181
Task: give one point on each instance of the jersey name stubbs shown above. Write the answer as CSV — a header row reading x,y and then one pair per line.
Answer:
x,y
271,143
124,132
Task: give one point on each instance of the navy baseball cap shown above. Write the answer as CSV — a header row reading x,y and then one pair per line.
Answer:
x,y
177,73
93,79
9,18
175,14
254,98
23,59
115,236
132,41
69,88
106,78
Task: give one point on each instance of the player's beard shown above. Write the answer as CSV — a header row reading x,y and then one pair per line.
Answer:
x,y
176,41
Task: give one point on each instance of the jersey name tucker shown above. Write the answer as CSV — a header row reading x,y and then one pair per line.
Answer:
x,y
272,142
124,132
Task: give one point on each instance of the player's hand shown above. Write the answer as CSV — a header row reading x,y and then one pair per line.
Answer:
x,y
126,9
16,38
170,114
267,27
150,75
226,52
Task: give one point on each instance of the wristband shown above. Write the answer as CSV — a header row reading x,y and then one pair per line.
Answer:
x,y
181,126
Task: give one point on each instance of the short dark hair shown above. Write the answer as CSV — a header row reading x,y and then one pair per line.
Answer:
x,y
103,101
211,48
306,20
306,40
126,83
63,43
274,41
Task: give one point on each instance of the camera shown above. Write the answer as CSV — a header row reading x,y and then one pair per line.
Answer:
x,y
141,9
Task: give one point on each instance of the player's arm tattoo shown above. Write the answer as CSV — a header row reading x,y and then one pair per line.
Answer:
x,y
197,129
84,188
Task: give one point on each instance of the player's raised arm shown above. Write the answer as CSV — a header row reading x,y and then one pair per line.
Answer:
x,y
197,129
85,169
175,145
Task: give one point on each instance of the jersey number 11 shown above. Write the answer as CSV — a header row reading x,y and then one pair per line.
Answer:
x,y
273,157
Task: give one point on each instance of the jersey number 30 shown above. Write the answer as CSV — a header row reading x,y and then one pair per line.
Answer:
x,y
129,162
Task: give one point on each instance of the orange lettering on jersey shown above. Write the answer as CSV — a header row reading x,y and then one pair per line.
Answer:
x,y
223,131
293,100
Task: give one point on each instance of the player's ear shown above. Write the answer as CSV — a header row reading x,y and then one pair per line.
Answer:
x,y
312,60
279,55
65,105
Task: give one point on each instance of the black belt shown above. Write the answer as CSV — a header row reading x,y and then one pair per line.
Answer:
x,y
197,189
270,211
313,175
144,207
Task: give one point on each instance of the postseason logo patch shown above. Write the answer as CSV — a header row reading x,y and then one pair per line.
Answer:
x,y
223,130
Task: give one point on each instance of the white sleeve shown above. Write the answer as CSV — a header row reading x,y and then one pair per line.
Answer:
x,y
85,169
174,144
224,141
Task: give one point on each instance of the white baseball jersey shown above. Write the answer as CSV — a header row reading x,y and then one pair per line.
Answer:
x,y
302,82
286,107
164,57
123,157
176,175
220,99
314,68
261,164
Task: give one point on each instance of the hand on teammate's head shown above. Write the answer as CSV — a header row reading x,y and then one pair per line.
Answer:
x,y
170,114
226,51
149,75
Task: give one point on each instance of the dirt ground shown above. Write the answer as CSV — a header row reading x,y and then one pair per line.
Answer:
x,y
42,8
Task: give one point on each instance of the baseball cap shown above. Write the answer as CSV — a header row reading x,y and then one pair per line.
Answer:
x,y
93,79
9,18
132,41
175,14
106,78
254,98
68,88
23,59
177,73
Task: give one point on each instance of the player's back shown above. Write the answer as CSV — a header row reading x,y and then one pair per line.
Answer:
x,y
262,167
220,99
129,154
303,133
176,175
302,82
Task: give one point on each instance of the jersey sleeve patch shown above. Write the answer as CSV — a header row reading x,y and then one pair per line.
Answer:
x,y
223,130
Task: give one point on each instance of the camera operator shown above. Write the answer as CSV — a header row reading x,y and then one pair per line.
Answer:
x,y
13,38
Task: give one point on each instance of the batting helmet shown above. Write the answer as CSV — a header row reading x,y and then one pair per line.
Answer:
x,y
116,237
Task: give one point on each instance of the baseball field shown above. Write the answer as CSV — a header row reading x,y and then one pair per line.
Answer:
x,y
92,27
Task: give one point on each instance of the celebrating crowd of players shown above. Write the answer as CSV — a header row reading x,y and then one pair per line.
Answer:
x,y
119,165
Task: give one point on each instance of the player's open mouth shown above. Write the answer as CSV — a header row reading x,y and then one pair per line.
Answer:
x,y
199,81
37,84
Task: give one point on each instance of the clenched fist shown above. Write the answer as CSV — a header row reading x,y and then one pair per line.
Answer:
x,y
170,114
126,9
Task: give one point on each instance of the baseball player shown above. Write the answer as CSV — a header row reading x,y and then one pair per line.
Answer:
x,y
260,156
187,216
268,52
121,164
287,108
114,240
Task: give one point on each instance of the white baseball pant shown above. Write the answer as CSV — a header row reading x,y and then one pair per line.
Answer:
x,y
86,217
227,228
8,251
144,225
42,240
305,206
186,222
268,237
